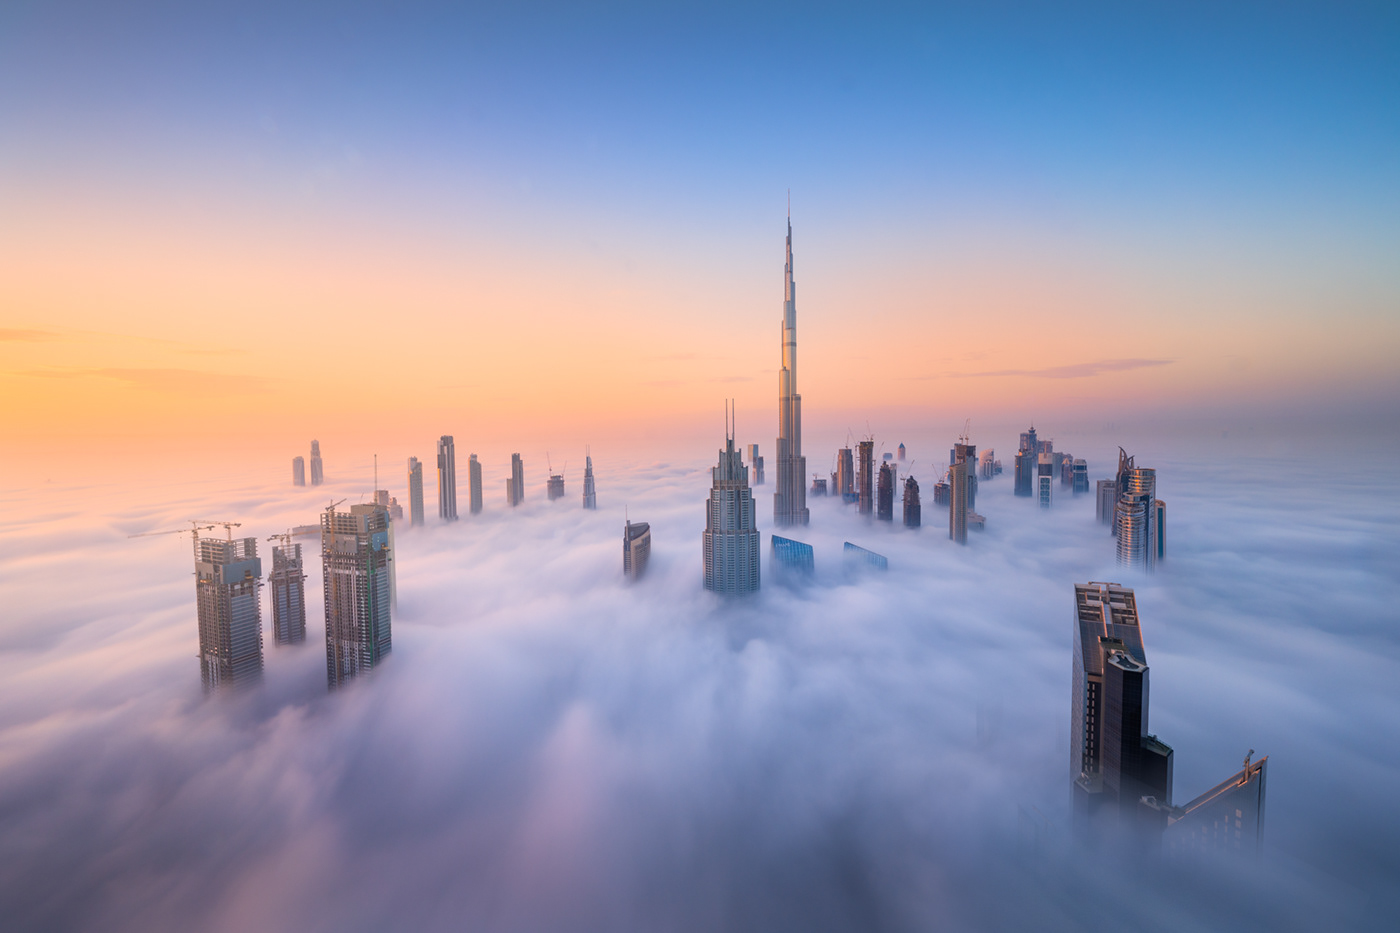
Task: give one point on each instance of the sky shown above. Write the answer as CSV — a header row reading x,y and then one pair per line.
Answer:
x,y
228,229
566,222
549,747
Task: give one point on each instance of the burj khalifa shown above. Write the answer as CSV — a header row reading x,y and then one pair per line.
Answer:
x,y
790,499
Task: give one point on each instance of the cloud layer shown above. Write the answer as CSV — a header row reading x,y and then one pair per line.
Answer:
x,y
551,748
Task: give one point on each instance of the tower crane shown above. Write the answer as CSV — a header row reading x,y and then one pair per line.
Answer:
x,y
196,526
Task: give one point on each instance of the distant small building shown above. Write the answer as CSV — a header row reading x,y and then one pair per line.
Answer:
x,y
515,483
298,471
1080,470
318,475
976,522
793,556
901,452
942,493
818,486
415,491
554,487
1106,494
987,465
474,483
860,554
756,462
1045,479
636,548
447,478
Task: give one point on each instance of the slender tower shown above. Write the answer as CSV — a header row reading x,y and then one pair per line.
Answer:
x,y
447,478
730,540
790,498
590,495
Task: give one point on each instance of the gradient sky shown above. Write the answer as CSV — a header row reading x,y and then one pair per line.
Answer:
x,y
568,219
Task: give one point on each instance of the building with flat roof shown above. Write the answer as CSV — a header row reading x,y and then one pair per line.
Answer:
x,y
447,478
913,512
865,477
298,471
287,584
474,483
515,483
318,474
843,481
961,477
415,491
884,494
227,574
1045,479
818,486
356,570
554,487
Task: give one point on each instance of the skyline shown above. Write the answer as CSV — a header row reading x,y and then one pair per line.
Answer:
x,y
1062,231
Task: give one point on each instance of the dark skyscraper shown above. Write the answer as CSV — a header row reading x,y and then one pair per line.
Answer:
x,y
1045,479
447,478
318,475
554,487
1228,818
730,541
227,574
356,556
792,556
590,495
884,508
474,483
287,583
913,512
1114,761
636,548
790,498
865,476
515,483
961,475
755,465
298,471
415,491
1025,472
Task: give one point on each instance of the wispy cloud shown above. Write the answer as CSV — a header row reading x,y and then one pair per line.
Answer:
x,y
172,381
1074,371
22,335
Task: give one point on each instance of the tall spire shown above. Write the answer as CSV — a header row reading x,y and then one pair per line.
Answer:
x,y
790,498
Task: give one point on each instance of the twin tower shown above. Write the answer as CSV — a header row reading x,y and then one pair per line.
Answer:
x,y
731,539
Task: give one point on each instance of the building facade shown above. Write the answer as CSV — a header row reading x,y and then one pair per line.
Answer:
x,y
554,487
913,512
1045,479
590,494
474,483
515,483
792,556
318,475
356,568
790,497
298,471
844,481
884,494
636,548
415,491
730,541
755,464
447,478
227,574
287,584
865,477
960,499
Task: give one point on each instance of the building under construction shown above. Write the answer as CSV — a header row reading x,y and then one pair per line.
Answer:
x,y
356,563
227,574
865,478
913,512
288,584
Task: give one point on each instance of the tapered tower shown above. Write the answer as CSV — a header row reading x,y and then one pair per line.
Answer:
x,y
790,498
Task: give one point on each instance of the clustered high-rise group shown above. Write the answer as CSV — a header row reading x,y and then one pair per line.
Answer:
x,y
1121,774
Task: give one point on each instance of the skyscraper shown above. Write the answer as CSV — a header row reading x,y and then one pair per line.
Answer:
x,y
854,552
1106,501
590,496
960,479
845,483
554,487
1135,516
818,486
298,471
987,464
792,556
415,491
447,478
318,475
474,482
1045,479
515,483
636,548
790,498
1228,818
913,512
288,584
865,476
756,464
884,508
730,540
227,574
1114,761
1029,441
901,452
356,557
1025,472
1080,471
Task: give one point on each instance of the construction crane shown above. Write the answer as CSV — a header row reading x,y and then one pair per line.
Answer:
x,y
291,533
964,438
196,526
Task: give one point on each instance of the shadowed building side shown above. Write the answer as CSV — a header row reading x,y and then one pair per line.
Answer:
x,y
636,548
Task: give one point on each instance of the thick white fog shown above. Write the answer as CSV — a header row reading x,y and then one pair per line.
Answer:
x,y
551,748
